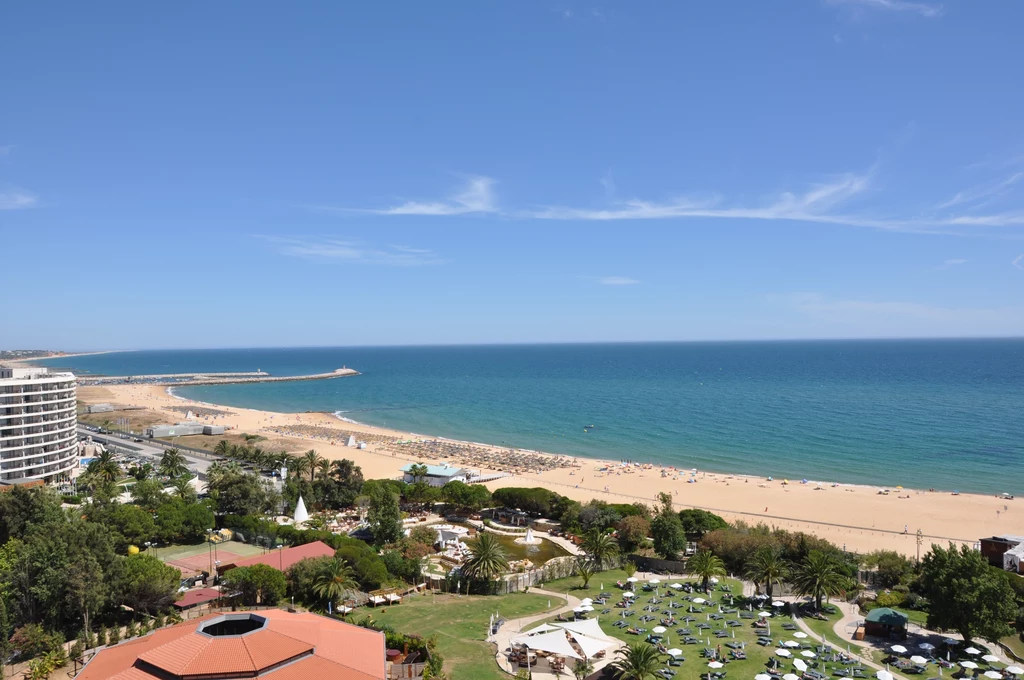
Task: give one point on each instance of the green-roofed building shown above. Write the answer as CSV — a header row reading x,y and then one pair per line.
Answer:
x,y
886,623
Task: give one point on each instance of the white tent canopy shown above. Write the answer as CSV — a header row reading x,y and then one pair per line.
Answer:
x,y
1016,670
995,675
588,627
800,634
592,645
991,658
918,659
969,664
301,515
790,676
884,675
542,628
800,665
972,650
783,652
554,642
899,649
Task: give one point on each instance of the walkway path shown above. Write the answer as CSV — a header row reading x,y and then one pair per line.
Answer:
x,y
511,629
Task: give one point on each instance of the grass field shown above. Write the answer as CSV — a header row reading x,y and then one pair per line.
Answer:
x,y
695,667
460,624
1014,643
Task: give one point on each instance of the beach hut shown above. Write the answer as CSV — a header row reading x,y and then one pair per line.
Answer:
x,y
886,623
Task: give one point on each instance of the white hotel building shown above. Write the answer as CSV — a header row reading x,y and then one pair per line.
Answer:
x,y
38,439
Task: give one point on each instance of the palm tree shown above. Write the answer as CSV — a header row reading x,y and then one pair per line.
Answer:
x,y
183,488
600,546
819,576
298,465
583,668
335,581
418,471
629,567
768,568
223,448
106,468
638,661
312,459
487,558
324,468
173,463
585,569
705,564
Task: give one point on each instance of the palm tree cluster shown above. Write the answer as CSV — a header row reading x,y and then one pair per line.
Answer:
x,y
309,463
819,575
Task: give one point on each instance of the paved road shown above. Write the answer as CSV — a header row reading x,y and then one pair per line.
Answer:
x,y
196,463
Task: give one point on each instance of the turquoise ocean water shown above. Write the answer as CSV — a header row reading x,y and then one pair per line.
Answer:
x,y
947,414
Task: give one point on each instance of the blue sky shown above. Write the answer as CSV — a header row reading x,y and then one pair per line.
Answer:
x,y
371,173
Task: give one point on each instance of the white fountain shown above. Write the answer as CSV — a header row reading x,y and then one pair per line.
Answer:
x,y
530,539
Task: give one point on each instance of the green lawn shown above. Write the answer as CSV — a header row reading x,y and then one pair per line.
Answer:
x,y
694,665
916,617
1014,642
572,583
819,627
460,624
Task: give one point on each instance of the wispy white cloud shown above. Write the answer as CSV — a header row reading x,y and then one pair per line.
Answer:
x,y
924,9
952,262
476,196
617,281
1018,260
988,190
352,252
812,206
12,198
608,182
904,318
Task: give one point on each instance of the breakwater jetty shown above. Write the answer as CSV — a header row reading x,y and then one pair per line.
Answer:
x,y
181,379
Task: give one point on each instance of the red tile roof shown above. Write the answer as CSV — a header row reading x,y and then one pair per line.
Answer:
x,y
196,597
284,558
305,646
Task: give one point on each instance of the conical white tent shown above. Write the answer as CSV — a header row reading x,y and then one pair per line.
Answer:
x,y
554,642
300,512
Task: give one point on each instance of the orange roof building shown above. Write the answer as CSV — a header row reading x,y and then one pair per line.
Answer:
x,y
283,558
272,644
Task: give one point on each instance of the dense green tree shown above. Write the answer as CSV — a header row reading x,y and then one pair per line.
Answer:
x,y
891,567
179,521
638,661
600,547
384,516
237,492
819,576
21,508
668,535
303,576
697,522
598,515
146,584
148,494
767,568
537,500
258,584
465,496
965,594
633,532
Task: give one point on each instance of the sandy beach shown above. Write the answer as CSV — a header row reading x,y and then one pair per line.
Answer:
x,y
858,517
